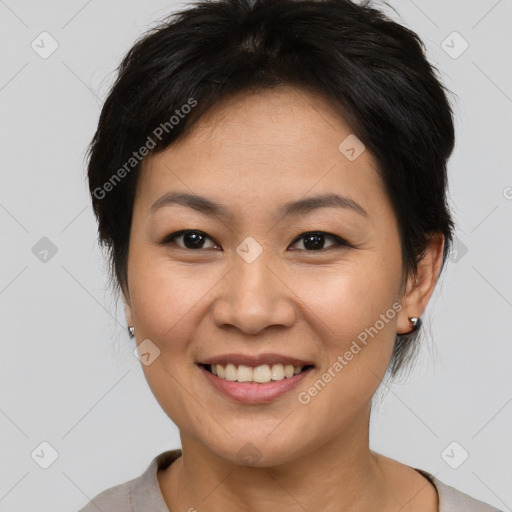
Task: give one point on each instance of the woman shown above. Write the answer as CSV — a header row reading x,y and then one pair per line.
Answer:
x,y
270,180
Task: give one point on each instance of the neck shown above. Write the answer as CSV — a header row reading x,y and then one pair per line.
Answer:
x,y
342,471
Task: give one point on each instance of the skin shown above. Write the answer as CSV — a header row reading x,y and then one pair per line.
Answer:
x,y
253,152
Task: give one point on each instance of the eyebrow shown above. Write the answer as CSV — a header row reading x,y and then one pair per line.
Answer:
x,y
299,207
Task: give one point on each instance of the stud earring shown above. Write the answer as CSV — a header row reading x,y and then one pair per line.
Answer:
x,y
131,331
415,322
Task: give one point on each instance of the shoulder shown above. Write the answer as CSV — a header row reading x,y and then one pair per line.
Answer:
x,y
416,482
114,499
453,500
135,495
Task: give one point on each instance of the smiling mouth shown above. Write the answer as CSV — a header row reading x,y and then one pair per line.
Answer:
x,y
261,374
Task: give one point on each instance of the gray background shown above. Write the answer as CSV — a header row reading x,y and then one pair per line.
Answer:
x,y
68,375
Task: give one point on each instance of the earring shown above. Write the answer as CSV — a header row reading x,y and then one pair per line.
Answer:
x,y
131,331
416,323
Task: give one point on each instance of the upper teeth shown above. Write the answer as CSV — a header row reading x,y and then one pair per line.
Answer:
x,y
261,374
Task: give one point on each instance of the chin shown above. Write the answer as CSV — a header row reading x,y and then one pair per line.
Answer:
x,y
257,451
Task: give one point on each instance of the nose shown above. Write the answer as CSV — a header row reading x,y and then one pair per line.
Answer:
x,y
252,297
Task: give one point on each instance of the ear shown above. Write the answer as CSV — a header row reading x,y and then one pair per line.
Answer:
x,y
420,286
127,308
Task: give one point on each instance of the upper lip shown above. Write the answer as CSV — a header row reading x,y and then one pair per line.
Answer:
x,y
256,360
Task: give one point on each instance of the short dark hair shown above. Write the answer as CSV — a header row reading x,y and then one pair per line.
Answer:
x,y
372,69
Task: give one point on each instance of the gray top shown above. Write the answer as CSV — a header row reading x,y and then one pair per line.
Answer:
x,y
142,494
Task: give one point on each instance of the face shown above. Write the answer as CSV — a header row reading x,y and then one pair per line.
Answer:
x,y
251,279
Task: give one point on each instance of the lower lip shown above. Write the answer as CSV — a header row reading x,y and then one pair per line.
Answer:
x,y
253,393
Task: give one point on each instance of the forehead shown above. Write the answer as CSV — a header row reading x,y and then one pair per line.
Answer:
x,y
262,147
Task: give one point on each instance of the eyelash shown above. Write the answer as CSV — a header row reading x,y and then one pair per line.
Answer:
x,y
340,242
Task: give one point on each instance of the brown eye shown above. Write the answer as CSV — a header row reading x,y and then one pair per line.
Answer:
x,y
192,239
315,240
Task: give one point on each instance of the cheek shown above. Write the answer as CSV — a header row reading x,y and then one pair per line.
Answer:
x,y
164,296
351,297
353,311
355,321
166,301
